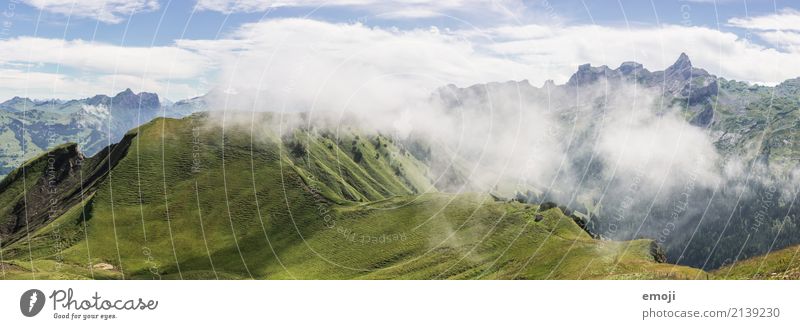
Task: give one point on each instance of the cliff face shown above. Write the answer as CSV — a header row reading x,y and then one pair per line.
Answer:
x,y
38,184
46,187
682,80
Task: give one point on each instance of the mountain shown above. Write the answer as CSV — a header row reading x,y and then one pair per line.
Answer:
x,y
30,127
681,83
175,199
679,80
749,136
266,197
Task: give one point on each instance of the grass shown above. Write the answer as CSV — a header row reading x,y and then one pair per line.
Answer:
x,y
185,203
778,265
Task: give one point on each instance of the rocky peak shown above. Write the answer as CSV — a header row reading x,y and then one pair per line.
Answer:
x,y
684,80
587,74
16,100
126,93
126,99
682,69
629,68
682,63
99,100
129,99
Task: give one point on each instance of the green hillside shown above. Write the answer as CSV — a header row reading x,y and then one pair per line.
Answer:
x,y
777,265
177,199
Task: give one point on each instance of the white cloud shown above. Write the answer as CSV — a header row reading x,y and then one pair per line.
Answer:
x,y
307,65
107,11
153,62
337,60
381,73
789,41
45,85
306,62
55,68
634,137
384,8
785,19
558,50
249,6
781,30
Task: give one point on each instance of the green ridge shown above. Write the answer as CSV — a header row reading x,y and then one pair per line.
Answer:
x,y
179,202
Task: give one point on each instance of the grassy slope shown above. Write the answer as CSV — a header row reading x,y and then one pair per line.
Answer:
x,y
782,264
264,212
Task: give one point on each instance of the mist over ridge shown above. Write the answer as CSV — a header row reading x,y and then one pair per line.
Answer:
x,y
669,155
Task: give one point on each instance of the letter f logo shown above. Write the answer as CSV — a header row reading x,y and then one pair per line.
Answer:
x,y
31,302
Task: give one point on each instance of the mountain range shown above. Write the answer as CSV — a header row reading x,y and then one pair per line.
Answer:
x,y
719,192
29,127
198,197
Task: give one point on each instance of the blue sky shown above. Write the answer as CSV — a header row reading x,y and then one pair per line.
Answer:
x,y
55,48
182,20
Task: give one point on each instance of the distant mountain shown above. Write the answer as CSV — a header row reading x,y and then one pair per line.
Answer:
x,y
734,112
754,129
29,127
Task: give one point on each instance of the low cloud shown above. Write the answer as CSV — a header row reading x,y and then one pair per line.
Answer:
x,y
387,75
333,62
635,139
306,65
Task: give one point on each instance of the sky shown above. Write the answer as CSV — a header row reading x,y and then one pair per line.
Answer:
x,y
180,49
